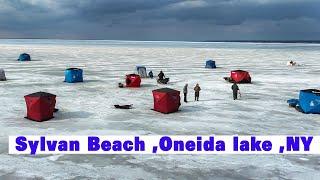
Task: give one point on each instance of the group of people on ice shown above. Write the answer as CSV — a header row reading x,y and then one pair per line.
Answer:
x,y
196,89
160,75
163,80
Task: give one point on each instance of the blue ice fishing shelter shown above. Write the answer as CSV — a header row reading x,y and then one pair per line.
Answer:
x,y
142,71
309,101
73,75
24,57
211,64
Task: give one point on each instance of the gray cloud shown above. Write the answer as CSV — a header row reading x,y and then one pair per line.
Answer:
x,y
160,19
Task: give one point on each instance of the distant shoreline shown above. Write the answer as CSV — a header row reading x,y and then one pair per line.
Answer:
x,y
206,41
270,41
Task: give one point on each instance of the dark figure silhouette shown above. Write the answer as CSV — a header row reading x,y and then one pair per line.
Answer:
x,y
151,74
185,92
235,90
161,75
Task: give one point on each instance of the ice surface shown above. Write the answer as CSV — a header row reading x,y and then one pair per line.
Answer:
x,y
87,108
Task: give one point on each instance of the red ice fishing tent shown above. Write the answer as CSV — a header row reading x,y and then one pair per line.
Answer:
x,y
239,76
166,100
133,80
40,106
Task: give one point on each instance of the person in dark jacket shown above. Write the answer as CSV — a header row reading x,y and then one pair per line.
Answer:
x,y
161,75
197,90
235,90
185,92
151,74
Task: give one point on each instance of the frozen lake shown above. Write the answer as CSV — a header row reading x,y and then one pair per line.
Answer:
x,y
87,108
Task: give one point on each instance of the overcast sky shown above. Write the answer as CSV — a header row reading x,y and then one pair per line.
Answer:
x,y
189,20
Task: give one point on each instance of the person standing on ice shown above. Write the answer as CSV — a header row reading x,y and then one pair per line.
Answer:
x,y
185,92
151,74
235,90
197,90
161,75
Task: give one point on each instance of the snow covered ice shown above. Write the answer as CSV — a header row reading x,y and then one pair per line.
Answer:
x,y
87,108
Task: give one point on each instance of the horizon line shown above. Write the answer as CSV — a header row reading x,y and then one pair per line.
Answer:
x,y
188,41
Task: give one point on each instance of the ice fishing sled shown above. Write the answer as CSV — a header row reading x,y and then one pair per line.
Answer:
x,y
163,81
229,79
129,106
293,102
120,85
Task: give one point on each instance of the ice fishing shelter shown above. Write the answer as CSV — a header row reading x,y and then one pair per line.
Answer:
x,y
24,57
133,80
166,100
211,64
142,71
309,101
239,76
2,75
40,106
73,75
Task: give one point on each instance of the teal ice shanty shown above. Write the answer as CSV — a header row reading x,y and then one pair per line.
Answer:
x,y
73,75
211,64
308,102
142,71
24,57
